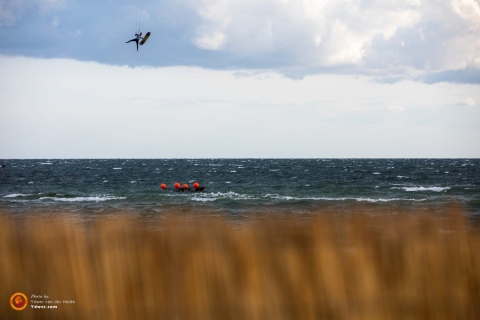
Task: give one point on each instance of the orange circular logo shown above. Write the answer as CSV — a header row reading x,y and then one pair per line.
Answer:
x,y
19,301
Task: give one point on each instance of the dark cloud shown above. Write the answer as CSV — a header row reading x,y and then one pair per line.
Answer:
x,y
271,37
467,75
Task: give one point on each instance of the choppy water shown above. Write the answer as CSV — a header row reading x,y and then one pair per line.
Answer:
x,y
239,185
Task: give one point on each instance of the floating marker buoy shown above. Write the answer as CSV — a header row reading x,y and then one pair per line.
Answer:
x,y
178,187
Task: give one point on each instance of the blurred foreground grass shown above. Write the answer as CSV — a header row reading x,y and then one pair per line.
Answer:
x,y
404,266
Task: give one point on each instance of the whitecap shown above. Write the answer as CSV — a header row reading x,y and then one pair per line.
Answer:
x,y
340,199
117,168
212,196
84,199
203,199
386,200
16,195
413,189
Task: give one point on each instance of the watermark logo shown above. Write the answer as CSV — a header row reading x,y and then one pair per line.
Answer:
x,y
19,301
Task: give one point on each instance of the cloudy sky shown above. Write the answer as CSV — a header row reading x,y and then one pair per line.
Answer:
x,y
240,78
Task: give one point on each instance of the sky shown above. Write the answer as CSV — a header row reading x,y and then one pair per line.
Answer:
x,y
240,79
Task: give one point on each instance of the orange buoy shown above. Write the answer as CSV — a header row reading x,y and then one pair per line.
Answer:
x,y
163,186
177,185
196,185
185,186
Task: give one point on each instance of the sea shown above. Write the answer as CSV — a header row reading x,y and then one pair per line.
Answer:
x,y
236,187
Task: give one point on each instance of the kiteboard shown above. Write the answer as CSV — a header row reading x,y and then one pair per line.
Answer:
x,y
145,39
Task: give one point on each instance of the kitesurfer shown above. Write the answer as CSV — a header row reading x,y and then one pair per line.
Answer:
x,y
138,37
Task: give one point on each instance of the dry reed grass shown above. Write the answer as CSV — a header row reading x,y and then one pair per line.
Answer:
x,y
403,266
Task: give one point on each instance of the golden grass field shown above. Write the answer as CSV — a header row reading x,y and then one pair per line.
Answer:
x,y
327,266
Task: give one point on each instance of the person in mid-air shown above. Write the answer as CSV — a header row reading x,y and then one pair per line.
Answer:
x,y
138,37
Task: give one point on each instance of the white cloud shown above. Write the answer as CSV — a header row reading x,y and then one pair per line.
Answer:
x,y
318,32
476,62
79,109
330,33
416,3
422,35
211,35
213,41
468,10
394,109
469,102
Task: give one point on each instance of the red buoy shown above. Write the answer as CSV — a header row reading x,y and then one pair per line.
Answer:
x,y
185,186
196,185
163,186
177,185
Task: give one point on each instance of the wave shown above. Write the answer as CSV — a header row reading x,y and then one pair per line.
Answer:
x,y
236,196
84,199
212,196
414,189
359,199
203,199
16,195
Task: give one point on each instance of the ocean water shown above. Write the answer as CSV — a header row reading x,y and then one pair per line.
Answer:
x,y
237,186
